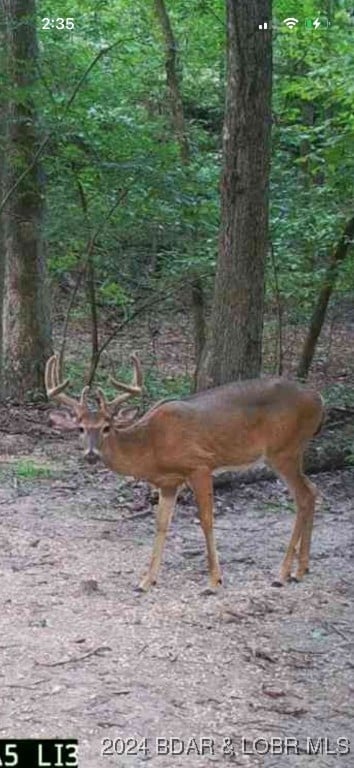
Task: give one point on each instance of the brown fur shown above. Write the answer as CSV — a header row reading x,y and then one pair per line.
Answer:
x,y
185,441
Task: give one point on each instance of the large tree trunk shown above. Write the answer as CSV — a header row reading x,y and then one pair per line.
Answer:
x,y
2,172
26,328
234,348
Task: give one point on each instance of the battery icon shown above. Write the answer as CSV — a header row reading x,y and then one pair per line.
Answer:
x,y
317,23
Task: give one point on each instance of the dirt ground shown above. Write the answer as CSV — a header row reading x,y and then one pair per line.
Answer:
x,y
84,656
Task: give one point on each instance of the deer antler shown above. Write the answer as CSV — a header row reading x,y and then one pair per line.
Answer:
x,y
55,387
135,388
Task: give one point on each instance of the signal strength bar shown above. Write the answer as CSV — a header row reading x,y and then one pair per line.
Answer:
x,y
265,25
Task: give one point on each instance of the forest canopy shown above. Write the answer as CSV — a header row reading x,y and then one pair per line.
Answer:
x,y
116,137
116,190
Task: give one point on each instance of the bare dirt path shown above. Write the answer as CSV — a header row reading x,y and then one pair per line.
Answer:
x,y
82,655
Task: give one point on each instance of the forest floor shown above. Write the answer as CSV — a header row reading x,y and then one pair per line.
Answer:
x,y
82,655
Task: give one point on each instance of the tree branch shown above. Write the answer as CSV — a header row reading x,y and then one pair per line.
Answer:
x,y
279,311
337,257
89,252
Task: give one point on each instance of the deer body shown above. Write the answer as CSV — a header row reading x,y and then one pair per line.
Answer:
x,y
232,426
185,441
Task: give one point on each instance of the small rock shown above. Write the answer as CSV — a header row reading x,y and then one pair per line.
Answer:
x,y
89,586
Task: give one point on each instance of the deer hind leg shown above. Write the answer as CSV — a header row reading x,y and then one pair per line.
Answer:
x,y
167,498
202,486
303,552
304,493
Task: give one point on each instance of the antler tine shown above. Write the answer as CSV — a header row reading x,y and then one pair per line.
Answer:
x,y
135,388
101,399
54,387
138,372
83,396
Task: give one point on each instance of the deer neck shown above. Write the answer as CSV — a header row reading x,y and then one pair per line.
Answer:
x,y
127,451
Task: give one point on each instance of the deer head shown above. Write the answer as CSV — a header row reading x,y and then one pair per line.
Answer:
x,y
94,426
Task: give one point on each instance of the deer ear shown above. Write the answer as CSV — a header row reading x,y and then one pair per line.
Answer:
x,y
125,417
63,421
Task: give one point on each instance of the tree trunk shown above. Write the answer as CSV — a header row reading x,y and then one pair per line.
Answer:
x,y
174,83
198,310
173,79
234,347
26,327
319,313
3,123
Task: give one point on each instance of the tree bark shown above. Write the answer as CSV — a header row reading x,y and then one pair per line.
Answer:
x,y
319,313
91,295
26,326
234,347
3,123
173,78
198,311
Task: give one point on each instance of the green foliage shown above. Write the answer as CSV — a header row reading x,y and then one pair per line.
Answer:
x,y
159,387
313,138
27,469
113,294
76,370
116,141
339,394
114,144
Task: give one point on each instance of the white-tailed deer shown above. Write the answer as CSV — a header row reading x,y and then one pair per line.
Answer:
x,y
185,441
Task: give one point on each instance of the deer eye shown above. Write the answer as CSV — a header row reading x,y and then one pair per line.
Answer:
x,y
81,430
106,429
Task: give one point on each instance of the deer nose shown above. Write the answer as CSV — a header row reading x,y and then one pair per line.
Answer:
x,y
91,456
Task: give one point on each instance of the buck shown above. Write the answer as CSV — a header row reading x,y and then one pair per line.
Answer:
x,y
184,441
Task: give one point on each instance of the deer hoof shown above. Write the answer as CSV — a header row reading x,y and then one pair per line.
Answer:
x,y
145,585
208,591
139,590
277,583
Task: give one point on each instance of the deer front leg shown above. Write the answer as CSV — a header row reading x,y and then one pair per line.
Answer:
x,y
202,485
164,513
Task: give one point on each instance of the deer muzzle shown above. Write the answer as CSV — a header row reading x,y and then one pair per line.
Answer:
x,y
92,455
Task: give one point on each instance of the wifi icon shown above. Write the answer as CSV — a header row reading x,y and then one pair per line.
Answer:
x,y
291,22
